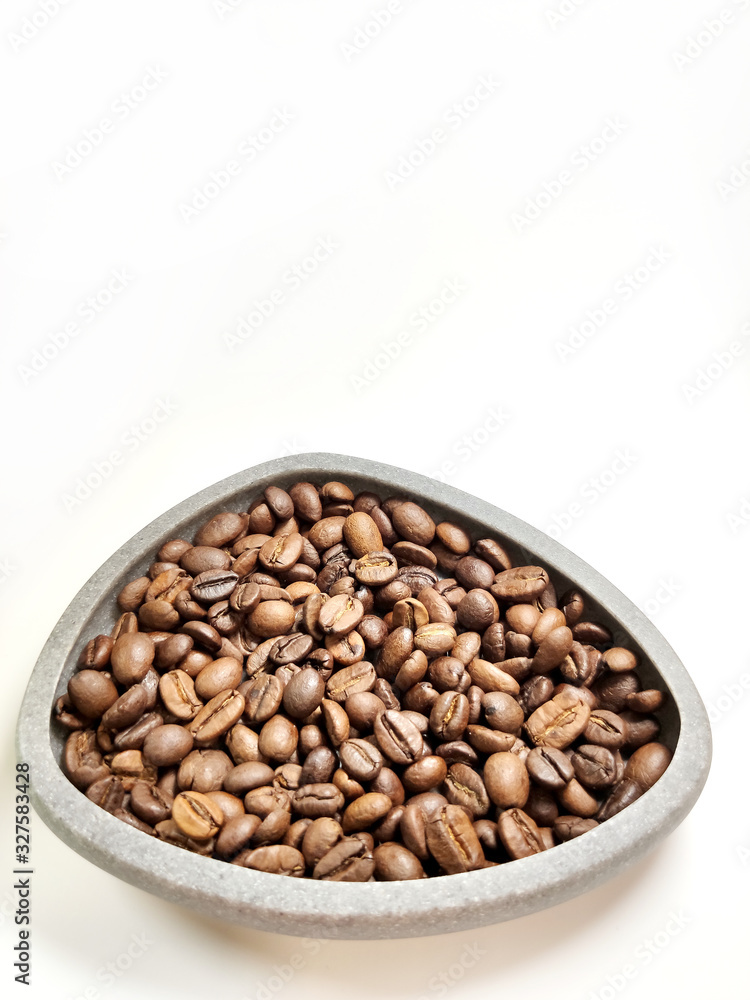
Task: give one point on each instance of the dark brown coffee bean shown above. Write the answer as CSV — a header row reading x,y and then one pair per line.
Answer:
x,y
213,585
244,777
519,834
278,738
167,745
592,632
320,836
236,835
91,693
204,770
82,759
364,811
464,787
359,676
349,861
452,841
150,803
177,690
594,766
303,693
550,768
398,737
449,716
458,752
217,717
569,827
502,711
577,800
108,793
534,692
131,596
645,701
453,537
314,800
558,722
360,759
478,610
487,740
425,774
506,780
278,859
395,863
134,736
446,673
319,766
639,729
520,585
95,655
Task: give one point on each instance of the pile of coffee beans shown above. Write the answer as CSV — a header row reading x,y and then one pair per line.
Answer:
x,y
336,687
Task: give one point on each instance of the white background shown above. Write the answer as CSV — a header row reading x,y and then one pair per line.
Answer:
x,y
485,392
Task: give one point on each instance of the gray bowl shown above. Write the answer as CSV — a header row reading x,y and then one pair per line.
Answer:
x,y
370,910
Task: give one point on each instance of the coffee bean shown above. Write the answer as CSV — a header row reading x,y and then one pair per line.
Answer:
x,y
360,759
82,759
359,676
226,672
277,859
395,863
558,722
520,584
217,716
167,745
507,780
449,715
452,841
550,768
320,836
318,799
91,693
213,585
278,738
349,861
594,766
365,811
398,737
150,803
519,834
464,787
425,774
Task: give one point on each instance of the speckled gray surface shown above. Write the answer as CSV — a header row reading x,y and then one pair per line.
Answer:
x,y
372,910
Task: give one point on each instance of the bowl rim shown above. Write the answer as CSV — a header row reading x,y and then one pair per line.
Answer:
x,y
351,910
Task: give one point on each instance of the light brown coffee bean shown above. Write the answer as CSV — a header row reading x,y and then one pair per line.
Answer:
x,y
217,716
558,722
278,738
365,811
452,841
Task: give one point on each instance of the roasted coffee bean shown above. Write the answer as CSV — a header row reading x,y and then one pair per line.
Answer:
x,y
278,738
359,676
550,768
491,677
319,799
150,803
640,729
349,861
82,759
251,774
569,827
395,863
425,774
360,759
204,770
167,745
177,690
277,859
92,692
558,722
340,615
303,693
435,638
520,584
217,717
519,834
502,711
226,672
645,701
319,766
449,716
364,811
464,787
594,766
487,740
108,793
320,836
398,737
452,841
506,780
263,698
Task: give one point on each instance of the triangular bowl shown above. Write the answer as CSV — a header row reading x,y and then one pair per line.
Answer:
x,y
370,910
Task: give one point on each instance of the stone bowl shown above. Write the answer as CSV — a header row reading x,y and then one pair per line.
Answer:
x,y
375,909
